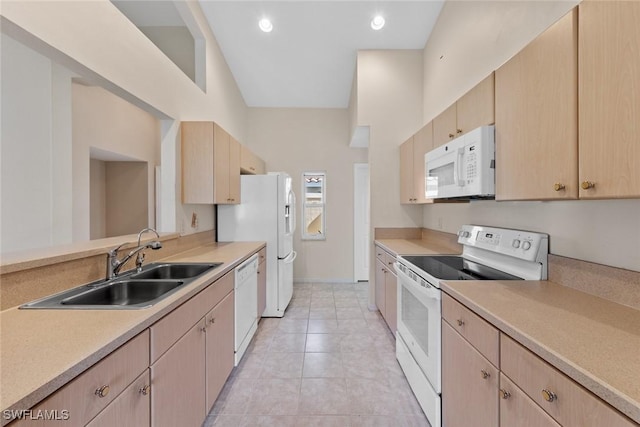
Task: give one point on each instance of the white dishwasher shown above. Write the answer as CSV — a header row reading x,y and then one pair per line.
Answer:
x,y
246,305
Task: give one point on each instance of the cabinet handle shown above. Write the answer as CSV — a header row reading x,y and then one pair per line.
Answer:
x,y
103,391
557,186
145,390
459,131
504,394
460,322
485,374
203,329
587,185
212,320
451,136
390,263
548,395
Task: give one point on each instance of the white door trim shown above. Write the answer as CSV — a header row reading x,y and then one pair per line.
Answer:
x,y
361,221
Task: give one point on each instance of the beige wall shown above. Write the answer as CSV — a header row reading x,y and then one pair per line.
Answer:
x,y
126,212
97,199
102,120
390,103
476,38
96,41
299,140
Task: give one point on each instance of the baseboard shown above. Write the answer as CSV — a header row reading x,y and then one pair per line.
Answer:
x,y
333,280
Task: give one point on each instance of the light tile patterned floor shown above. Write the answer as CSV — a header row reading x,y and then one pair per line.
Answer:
x,y
328,362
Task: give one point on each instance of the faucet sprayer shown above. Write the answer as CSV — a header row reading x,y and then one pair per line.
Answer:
x,y
114,265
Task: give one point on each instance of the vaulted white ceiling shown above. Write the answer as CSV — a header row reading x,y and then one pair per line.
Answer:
x,y
309,59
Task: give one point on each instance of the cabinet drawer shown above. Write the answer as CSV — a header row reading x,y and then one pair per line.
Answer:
x,y
389,260
81,397
168,330
130,409
381,254
562,398
476,330
516,409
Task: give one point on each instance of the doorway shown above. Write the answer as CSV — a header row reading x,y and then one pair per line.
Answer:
x,y
361,222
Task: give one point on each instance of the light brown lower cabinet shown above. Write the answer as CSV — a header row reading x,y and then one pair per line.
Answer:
x,y
178,382
130,409
391,301
517,409
523,391
381,297
219,352
469,384
94,390
386,288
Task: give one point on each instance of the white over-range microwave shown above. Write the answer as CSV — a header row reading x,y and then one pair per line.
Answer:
x,y
462,168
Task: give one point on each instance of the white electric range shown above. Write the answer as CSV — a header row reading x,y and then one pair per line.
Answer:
x,y
488,254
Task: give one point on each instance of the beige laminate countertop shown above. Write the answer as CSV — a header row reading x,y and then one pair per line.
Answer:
x,y
41,350
592,340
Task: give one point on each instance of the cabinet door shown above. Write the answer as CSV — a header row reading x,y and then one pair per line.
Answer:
x,y
609,98
444,127
381,273
221,166
197,162
178,382
536,118
422,143
234,171
391,301
130,409
406,172
95,389
476,107
262,288
469,384
516,409
219,354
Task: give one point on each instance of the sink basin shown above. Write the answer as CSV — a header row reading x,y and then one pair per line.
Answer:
x,y
175,271
126,292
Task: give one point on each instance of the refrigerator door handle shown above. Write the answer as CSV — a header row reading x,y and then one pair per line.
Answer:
x,y
293,211
289,258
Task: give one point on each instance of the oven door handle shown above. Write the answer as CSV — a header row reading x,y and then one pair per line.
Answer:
x,y
429,292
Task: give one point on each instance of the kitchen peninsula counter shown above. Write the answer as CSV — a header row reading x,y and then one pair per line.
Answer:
x,y
42,350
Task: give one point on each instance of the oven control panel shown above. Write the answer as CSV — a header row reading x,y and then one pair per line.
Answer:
x,y
521,244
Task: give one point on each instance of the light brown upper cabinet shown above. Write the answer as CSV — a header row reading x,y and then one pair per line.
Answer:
x,y
250,164
474,109
210,164
412,172
609,93
536,112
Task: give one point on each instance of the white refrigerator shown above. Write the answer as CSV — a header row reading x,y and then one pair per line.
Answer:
x,y
267,212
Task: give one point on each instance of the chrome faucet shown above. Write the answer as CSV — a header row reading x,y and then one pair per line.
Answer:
x,y
114,265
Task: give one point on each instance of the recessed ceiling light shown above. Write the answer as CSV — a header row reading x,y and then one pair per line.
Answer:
x,y
265,25
377,22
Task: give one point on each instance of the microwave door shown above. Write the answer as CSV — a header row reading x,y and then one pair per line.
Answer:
x,y
442,177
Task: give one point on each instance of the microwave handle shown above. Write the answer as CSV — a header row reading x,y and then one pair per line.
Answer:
x,y
457,173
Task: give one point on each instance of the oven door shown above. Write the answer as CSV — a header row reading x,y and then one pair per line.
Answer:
x,y
419,321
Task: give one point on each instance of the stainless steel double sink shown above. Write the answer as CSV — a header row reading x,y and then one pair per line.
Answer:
x,y
133,290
